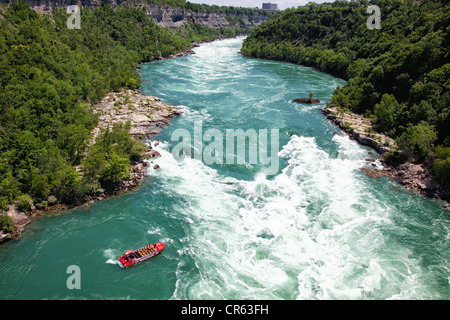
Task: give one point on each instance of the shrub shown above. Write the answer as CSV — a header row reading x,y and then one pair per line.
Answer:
x,y
40,186
6,224
418,140
4,203
52,199
385,112
42,205
116,170
24,203
441,166
441,171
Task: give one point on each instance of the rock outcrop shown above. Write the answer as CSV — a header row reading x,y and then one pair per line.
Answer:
x,y
359,128
413,177
4,236
146,114
306,100
163,15
19,219
410,175
174,17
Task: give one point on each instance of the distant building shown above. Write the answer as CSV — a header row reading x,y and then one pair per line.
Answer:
x,y
270,6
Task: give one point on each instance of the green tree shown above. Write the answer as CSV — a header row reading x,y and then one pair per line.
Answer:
x,y
418,140
10,187
73,139
386,111
116,169
40,186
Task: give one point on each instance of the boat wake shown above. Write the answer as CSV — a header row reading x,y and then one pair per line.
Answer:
x,y
111,255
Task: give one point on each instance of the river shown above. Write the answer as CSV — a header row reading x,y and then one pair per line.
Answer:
x,y
309,225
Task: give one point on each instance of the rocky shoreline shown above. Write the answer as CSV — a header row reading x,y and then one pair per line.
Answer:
x,y
147,116
412,176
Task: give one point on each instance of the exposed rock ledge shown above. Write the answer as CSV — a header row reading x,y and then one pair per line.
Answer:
x,y
146,114
19,219
359,128
411,176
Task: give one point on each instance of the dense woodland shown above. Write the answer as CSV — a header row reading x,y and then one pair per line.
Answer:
x,y
399,75
49,78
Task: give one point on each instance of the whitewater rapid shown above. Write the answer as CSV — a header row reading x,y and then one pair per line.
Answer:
x,y
314,231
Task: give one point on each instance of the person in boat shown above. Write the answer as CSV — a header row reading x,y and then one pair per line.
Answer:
x,y
129,257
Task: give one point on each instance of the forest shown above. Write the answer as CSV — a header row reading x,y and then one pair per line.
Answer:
x,y
399,75
50,77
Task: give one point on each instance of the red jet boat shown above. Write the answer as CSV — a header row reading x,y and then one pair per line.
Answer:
x,y
132,257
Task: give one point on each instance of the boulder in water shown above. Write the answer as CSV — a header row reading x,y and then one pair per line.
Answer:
x,y
306,100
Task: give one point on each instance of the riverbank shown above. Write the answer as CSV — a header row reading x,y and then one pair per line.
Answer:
x,y
412,176
147,116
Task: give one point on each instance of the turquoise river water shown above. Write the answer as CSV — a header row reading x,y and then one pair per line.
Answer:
x,y
316,228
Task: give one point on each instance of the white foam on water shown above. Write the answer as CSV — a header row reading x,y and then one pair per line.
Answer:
x,y
315,231
154,231
112,256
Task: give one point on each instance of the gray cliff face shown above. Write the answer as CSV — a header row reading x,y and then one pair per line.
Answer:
x,y
164,16
173,17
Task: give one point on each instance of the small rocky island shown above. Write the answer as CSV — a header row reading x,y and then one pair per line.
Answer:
x,y
309,100
306,100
